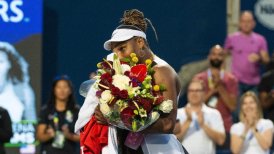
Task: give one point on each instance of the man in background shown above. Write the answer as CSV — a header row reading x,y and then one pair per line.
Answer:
x,y
199,127
248,49
221,88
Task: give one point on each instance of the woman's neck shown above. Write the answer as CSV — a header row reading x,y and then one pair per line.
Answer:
x,y
61,105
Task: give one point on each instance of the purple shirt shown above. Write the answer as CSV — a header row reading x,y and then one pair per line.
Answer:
x,y
241,46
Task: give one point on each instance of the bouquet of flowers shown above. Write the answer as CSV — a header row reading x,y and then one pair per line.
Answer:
x,y
128,96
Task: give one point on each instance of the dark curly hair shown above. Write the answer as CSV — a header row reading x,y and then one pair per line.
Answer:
x,y
134,17
19,66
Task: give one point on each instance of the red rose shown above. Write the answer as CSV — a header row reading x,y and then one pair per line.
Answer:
x,y
146,103
107,64
127,116
123,94
107,77
115,91
159,100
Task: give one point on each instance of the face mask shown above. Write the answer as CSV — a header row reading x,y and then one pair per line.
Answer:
x,y
216,63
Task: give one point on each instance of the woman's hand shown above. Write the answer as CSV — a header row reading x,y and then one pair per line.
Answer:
x,y
65,131
50,132
99,116
249,122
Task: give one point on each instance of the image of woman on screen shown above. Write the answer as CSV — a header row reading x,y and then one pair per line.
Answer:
x,y
16,94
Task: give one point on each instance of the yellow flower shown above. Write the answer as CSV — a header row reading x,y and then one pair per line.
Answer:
x,y
156,87
135,59
99,65
132,55
136,112
148,62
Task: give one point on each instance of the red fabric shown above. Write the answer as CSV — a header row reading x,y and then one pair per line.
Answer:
x,y
93,138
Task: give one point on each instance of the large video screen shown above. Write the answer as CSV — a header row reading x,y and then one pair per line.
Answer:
x,y
20,68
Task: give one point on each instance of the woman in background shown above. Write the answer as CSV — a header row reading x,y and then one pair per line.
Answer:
x,y
14,85
57,119
252,134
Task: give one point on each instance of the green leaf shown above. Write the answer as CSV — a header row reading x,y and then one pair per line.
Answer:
x,y
127,60
162,87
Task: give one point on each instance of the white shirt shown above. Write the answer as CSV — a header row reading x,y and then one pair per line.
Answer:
x,y
251,144
196,141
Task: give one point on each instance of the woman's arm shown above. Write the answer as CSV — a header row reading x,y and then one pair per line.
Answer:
x,y
43,133
264,139
236,143
166,76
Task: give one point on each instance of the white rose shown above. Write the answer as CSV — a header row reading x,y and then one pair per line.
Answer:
x,y
154,116
166,106
120,81
105,109
125,68
106,96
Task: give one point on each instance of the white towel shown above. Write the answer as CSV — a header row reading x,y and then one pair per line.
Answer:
x,y
86,110
88,107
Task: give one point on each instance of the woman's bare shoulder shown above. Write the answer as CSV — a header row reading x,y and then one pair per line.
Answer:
x,y
162,67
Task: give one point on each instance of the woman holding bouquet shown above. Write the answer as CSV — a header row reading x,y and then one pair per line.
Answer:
x,y
130,39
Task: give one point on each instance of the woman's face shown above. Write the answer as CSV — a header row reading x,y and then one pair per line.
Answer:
x,y
249,106
124,49
62,90
4,66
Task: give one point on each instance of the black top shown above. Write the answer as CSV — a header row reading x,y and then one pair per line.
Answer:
x,y
267,85
267,82
67,117
5,128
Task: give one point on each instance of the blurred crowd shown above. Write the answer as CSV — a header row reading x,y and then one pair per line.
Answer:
x,y
229,107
